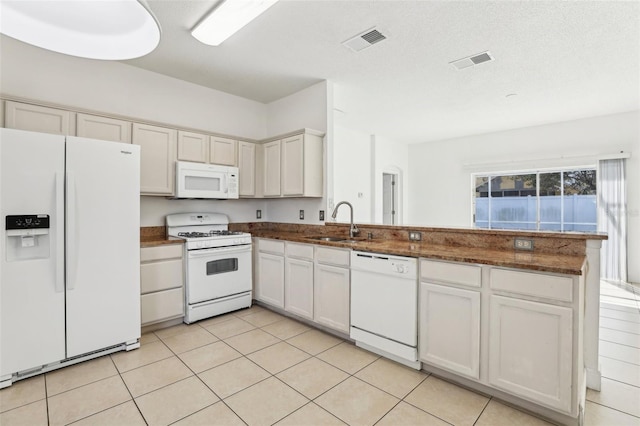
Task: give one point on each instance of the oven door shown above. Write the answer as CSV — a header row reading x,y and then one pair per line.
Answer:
x,y
218,272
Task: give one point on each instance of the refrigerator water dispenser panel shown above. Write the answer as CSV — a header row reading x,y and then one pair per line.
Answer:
x,y
27,236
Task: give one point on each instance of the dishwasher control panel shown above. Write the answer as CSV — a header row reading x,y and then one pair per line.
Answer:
x,y
384,264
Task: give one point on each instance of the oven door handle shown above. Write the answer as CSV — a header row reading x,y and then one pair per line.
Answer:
x,y
216,251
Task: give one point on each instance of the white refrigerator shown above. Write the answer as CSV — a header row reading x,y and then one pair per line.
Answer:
x,y
70,251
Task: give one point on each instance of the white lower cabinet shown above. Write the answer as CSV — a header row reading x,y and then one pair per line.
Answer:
x,y
531,350
270,274
450,328
331,299
309,281
298,281
299,287
161,283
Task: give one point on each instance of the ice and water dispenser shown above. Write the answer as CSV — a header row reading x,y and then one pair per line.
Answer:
x,y
27,236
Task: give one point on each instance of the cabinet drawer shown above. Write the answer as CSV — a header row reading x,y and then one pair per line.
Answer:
x,y
330,256
158,276
161,306
453,273
531,284
271,246
300,251
170,251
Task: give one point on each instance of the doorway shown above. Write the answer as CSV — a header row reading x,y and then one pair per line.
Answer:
x,y
390,198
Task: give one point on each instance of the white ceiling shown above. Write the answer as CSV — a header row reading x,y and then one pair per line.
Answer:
x,y
564,60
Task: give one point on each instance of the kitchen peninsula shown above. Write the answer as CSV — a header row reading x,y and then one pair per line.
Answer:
x,y
521,325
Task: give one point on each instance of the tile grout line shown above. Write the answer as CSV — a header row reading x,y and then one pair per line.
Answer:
x,y
612,408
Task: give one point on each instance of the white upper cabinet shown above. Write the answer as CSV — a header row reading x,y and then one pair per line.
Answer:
x,y
223,151
193,147
157,159
247,168
36,118
104,128
271,178
293,166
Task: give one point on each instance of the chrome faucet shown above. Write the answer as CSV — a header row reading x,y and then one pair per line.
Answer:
x,y
353,230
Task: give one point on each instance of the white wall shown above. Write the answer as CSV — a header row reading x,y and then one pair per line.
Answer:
x,y
154,209
117,88
390,156
439,172
352,174
308,108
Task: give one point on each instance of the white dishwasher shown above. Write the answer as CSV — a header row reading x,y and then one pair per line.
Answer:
x,y
384,305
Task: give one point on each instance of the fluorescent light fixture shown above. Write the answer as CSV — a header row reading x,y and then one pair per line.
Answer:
x,y
228,18
96,29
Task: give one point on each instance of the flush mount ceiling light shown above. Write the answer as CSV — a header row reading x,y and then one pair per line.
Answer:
x,y
96,29
228,18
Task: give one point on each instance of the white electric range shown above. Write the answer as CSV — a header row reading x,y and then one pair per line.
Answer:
x,y
217,264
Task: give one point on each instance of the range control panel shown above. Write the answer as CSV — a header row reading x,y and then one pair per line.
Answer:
x,y
27,221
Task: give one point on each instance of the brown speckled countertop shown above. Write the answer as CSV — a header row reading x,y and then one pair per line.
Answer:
x,y
537,261
553,252
152,236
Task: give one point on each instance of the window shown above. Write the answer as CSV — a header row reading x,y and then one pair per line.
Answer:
x,y
563,200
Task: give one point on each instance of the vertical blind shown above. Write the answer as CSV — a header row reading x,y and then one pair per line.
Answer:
x,y
612,219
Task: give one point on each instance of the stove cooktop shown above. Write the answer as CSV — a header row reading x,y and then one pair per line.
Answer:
x,y
210,234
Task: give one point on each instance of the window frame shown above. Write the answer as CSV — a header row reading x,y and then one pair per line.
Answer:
x,y
537,172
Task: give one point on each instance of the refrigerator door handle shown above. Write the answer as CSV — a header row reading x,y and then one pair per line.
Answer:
x,y
59,232
72,249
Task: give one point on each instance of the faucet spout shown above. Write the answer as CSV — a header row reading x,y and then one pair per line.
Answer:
x,y
353,229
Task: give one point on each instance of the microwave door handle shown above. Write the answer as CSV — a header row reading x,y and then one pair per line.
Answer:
x,y
225,183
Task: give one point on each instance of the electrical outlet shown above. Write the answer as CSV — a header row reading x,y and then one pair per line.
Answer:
x,y
415,236
258,214
523,244
321,216
301,214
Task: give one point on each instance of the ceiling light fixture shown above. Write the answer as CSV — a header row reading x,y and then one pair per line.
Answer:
x,y
96,29
228,18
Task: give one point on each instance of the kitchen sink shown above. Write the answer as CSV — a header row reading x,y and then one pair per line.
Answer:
x,y
334,239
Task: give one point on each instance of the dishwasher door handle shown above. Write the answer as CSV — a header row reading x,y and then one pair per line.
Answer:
x,y
369,256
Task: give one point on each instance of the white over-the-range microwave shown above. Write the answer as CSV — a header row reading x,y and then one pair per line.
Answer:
x,y
198,180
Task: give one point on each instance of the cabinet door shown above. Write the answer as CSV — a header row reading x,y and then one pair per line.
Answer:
x,y
37,118
270,283
299,287
158,149
450,328
530,350
193,147
247,168
103,128
222,151
272,169
331,297
293,165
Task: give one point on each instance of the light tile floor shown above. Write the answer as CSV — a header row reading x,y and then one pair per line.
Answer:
x,y
257,367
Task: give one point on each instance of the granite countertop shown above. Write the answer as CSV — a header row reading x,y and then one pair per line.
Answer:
x,y
153,236
157,240
546,262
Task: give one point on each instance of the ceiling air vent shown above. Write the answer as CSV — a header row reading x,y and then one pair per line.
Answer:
x,y
472,60
364,40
